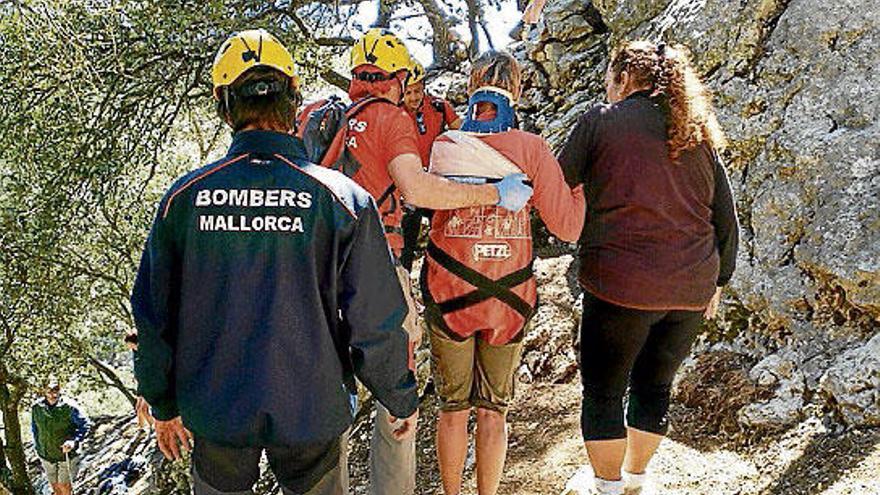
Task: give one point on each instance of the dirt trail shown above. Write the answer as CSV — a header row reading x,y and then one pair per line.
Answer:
x,y
546,448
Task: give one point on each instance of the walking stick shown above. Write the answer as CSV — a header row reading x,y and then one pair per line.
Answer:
x,y
69,473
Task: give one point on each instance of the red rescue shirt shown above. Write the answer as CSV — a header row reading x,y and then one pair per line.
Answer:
x,y
377,135
497,243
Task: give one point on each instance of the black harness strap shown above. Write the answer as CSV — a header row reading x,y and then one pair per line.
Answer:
x,y
385,195
440,107
479,295
346,162
486,288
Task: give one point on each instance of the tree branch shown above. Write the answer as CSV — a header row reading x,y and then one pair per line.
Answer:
x,y
336,79
334,41
114,379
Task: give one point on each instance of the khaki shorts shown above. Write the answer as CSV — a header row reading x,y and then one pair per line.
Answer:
x,y
471,373
57,473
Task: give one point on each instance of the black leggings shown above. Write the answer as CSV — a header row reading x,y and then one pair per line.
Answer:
x,y
624,347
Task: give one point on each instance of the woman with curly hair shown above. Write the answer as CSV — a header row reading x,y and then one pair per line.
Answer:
x,y
659,243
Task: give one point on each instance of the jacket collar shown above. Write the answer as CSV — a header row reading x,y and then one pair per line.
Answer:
x,y
267,143
42,402
645,93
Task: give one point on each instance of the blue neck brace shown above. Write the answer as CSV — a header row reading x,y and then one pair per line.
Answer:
x,y
505,118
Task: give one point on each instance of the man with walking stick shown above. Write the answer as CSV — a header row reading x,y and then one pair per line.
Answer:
x,y
59,428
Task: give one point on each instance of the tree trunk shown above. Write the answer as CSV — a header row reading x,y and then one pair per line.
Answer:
x,y
10,398
5,472
443,39
386,9
474,26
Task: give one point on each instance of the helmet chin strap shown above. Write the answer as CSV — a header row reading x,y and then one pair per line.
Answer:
x,y
505,117
403,84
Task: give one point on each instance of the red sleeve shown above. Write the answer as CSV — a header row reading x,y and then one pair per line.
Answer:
x,y
400,135
562,209
449,114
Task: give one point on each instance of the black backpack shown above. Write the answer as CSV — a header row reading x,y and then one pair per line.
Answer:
x,y
321,126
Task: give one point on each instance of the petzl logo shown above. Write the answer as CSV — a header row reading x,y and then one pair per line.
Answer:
x,y
491,251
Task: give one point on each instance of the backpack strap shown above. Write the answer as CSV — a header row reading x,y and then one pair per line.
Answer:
x,y
386,195
337,156
357,106
440,107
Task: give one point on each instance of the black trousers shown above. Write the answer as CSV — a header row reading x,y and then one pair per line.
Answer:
x,y
234,470
629,349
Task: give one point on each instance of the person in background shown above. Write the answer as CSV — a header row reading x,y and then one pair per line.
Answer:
x,y
264,288
478,282
381,154
433,116
59,428
659,243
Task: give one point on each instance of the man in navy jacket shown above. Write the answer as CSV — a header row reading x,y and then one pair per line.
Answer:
x,y
265,286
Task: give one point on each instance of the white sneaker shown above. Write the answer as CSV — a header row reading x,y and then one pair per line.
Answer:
x,y
583,482
637,484
580,483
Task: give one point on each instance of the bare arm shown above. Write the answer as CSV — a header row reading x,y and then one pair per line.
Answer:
x,y
434,192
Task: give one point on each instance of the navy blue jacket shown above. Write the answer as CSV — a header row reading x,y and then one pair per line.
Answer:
x,y
266,282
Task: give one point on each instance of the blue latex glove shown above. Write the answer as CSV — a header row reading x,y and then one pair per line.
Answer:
x,y
513,192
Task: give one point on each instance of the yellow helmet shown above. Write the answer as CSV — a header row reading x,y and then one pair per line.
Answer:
x,y
246,50
381,48
416,72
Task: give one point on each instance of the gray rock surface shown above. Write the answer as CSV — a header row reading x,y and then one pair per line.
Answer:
x,y
795,84
853,384
784,408
549,352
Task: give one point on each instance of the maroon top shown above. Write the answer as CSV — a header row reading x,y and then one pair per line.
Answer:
x,y
658,235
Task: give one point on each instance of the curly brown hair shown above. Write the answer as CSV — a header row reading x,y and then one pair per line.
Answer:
x,y
668,71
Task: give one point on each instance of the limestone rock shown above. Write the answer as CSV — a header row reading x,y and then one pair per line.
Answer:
x,y
622,16
568,20
794,86
853,384
784,408
782,411
549,352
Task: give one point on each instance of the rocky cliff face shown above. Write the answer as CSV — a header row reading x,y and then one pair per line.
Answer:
x,y
796,91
